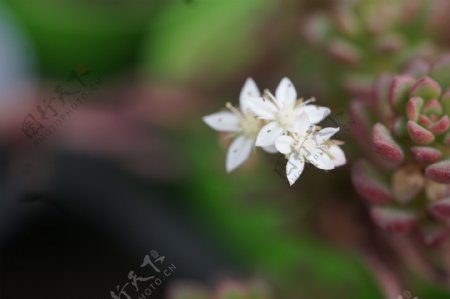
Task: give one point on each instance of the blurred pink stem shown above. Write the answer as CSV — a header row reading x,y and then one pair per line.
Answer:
x,y
411,256
386,278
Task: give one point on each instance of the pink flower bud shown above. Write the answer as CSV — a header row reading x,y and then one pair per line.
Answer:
x,y
441,126
419,134
414,107
394,219
426,88
425,154
441,208
368,183
424,120
385,145
439,172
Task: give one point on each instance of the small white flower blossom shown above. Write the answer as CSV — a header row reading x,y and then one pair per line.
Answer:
x,y
309,143
281,112
242,122
279,123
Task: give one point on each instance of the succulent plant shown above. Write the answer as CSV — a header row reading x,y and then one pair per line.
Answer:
x,y
228,289
367,37
404,131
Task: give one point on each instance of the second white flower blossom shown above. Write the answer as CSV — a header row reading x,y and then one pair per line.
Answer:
x,y
308,143
241,122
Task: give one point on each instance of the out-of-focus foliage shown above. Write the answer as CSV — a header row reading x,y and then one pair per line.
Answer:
x,y
17,64
204,37
366,37
101,36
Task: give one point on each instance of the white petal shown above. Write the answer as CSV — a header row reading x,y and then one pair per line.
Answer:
x,y
249,90
324,134
286,95
262,108
294,168
315,113
268,134
338,155
238,153
302,124
271,149
284,144
222,121
320,159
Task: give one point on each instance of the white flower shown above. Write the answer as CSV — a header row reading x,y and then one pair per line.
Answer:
x,y
242,122
308,143
279,123
281,112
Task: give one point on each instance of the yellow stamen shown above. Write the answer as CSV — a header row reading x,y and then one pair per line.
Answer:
x,y
311,100
267,95
234,110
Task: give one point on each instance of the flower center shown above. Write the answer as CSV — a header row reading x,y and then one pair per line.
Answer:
x,y
285,118
250,125
248,122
